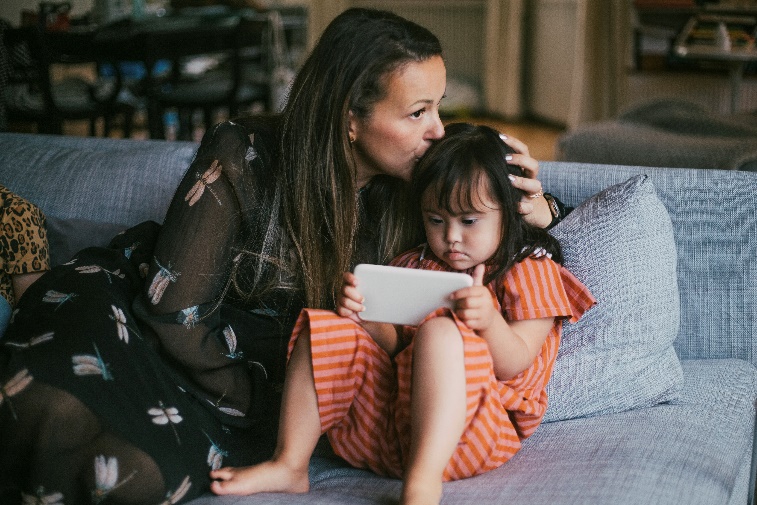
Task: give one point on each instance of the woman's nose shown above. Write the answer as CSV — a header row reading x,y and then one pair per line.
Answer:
x,y
436,128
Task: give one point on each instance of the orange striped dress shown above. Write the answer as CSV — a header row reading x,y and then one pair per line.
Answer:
x,y
364,395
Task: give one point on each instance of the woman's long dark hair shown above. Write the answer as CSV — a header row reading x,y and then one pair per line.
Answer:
x,y
470,160
347,71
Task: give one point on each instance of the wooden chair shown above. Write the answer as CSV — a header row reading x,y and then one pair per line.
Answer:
x,y
236,48
58,81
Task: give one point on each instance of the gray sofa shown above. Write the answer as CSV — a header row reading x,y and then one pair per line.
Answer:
x,y
652,399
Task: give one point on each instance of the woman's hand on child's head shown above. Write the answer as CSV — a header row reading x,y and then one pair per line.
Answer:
x,y
532,204
474,305
350,301
521,157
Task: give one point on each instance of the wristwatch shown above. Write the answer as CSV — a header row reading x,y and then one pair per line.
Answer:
x,y
554,208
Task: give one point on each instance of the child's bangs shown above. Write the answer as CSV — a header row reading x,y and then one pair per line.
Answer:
x,y
462,189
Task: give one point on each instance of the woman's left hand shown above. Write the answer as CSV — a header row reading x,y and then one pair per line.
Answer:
x,y
533,206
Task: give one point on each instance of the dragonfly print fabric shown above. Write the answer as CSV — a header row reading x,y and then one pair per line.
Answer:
x,y
131,371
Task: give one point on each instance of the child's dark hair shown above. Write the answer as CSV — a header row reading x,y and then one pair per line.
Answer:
x,y
454,167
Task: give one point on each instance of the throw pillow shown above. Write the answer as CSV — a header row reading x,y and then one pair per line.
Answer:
x,y
67,237
620,355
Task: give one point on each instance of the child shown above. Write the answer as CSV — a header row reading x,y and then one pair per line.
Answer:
x,y
455,396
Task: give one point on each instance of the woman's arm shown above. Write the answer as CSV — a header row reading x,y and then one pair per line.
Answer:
x,y
194,259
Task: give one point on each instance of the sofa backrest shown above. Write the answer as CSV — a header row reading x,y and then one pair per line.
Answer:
x,y
93,187
98,179
714,216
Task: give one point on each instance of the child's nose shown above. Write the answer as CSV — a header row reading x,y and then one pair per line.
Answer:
x,y
452,234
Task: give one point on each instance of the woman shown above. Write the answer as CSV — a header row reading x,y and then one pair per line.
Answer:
x,y
453,396
140,401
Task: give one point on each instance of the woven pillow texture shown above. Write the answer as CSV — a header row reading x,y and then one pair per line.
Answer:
x,y
619,355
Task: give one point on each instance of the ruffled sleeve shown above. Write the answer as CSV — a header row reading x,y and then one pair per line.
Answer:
x,y
538,287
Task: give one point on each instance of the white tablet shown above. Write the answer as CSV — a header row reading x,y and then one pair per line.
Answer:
x,y
405,295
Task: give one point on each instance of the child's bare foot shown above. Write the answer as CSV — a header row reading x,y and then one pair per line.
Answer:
x,y
421,494
268,477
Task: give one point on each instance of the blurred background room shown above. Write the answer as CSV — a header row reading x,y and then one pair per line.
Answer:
x,y
537,69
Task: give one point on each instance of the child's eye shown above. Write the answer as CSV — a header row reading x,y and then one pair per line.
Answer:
x,y
468,221
434,220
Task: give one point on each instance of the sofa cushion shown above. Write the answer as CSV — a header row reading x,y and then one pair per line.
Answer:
x,y
67,237
696,450
714,216
620,355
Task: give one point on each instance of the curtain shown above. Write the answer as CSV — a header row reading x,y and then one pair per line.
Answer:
x,y
599,82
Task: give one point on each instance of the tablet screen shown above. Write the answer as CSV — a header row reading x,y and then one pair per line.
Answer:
x,y
405,295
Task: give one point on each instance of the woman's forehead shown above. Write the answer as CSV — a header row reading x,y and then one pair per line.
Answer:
x,y
417,82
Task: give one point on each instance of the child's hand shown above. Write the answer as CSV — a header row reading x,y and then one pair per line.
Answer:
x,y
474,305
350,301
350,304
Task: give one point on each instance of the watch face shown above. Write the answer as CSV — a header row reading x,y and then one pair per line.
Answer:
x,y
552,205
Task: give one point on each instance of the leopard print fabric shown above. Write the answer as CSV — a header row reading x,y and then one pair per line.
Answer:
x,y
23,240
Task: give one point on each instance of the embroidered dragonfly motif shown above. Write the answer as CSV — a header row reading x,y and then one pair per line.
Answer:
x,y
181,491
231,412
128,251
163,415
215,454
160,282
87,364
40,498
203,181
231,341
123,329
53,296
261,367
40,339
226,410
93,269
106,478
189,316
14,386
